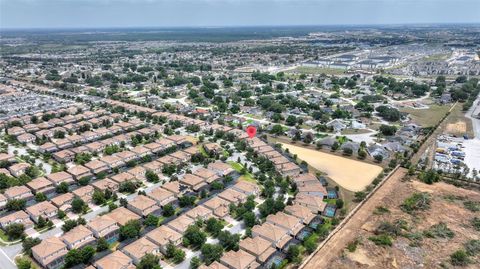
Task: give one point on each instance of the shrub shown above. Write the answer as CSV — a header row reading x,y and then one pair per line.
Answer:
x,y
381,240
418,201
439,230
472,247
459,258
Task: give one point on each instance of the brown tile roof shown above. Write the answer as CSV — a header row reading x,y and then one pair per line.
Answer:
x,y
239,260
164,235
258,247
116,260
48,247
121,215
140,248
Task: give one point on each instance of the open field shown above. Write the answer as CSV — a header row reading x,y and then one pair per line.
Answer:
x,y
317,70
417,244
351,174
457,119
427,117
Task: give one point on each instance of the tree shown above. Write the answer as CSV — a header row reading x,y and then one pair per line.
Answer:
x,y
347,151
211,253
177,255
68,225
86,254
151,176
193,236
168,210
40,197
214,226
149,261
378,158
228,240
131,229
98,197
23,263
249,219
78,205
16,205
360,195
72,258
14,231
151,220
195,262
387,130
62,187
102,244
28,243
293,254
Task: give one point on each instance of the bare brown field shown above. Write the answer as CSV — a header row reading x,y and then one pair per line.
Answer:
x,y
351,174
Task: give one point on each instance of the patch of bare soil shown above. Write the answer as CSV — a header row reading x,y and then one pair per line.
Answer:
x,y
413,248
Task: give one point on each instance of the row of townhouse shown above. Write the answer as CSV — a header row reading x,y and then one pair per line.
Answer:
x,y
27,119
88,136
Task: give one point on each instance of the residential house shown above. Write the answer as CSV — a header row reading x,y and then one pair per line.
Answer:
x,y
193,182
239,260
18,169
112,161
79,171
63,201
208,175
233,196
17,217
105,184
315,189
277,236
140,248
26,138
59,177
104,226
64,156
199,212
50,253
246,187
181,223
123,177
219,206
142,205
121,215
78,237
41,185
115,260
301,212
288,222
260,248
18,193
44,209
84,193
97,167
173,187
162,196
164,235
222,169
314,203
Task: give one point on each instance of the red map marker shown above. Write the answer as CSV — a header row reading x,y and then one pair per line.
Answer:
x,y
251,131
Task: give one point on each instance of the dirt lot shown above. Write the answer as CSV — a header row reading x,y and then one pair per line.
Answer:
x,y
421,251
358,175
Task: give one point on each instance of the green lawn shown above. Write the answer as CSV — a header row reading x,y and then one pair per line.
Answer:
x,y
238,167
427,117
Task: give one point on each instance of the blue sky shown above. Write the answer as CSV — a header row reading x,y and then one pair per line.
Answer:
x,y
168,13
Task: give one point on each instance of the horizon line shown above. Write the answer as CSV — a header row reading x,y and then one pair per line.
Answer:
x,y
424,24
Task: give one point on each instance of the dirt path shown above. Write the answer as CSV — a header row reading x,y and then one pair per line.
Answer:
x,y
333,247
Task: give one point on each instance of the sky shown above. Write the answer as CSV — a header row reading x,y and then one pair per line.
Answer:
x,y
201,13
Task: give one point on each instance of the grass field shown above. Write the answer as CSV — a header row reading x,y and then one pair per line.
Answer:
x,y
427,117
